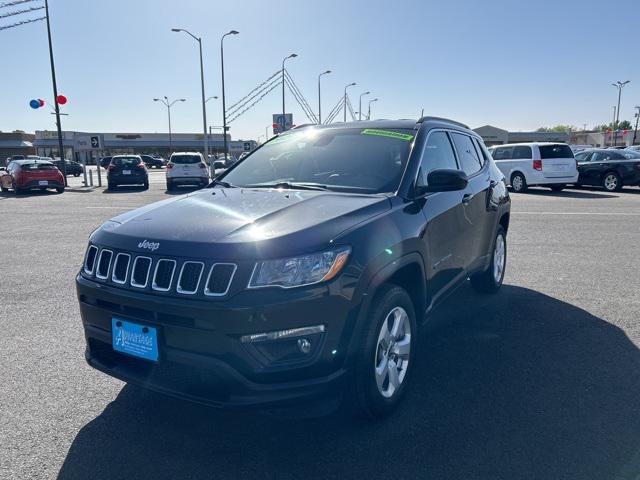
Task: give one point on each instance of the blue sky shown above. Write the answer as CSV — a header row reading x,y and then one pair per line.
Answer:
x,y
514,64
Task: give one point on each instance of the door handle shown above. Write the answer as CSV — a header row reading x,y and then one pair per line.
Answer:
x,y
466,198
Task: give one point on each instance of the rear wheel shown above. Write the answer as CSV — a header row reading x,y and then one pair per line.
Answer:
x,y
146,185
611,182
60,189
16,189
76,174
518,183
169,186
491,279
382,367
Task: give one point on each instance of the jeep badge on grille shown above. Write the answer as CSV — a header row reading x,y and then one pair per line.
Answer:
x,y
153,246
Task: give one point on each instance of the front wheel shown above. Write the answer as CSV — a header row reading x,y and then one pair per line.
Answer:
x,y
518,183
491,279
611,182
382,367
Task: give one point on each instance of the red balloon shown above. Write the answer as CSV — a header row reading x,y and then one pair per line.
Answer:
x,y
61,99
41,102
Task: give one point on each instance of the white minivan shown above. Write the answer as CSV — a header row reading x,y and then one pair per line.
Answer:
x,y
536,163
187,168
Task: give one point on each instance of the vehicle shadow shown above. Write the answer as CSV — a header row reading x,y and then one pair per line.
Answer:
x,y
515,385
578,193
181,190
125,189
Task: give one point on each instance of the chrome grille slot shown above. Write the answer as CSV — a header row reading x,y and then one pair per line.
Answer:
x,y
104,262
219,279
90,259
163,275
140,272
189,278
120,268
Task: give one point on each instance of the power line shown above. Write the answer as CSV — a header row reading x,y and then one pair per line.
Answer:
x,y
18,12
258,93
273,85
232,107
23,22
301,101
16,2
334,111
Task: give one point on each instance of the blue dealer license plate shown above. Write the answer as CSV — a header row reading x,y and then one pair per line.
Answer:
x,y
133,339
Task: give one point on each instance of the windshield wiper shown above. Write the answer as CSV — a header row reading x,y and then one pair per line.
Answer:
x,y
222,183
289,185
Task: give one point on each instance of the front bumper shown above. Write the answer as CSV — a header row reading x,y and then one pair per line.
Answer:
x,y
201,355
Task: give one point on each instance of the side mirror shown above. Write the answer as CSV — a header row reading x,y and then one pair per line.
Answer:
x,y
446,180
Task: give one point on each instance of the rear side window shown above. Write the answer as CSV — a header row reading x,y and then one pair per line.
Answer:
x,y
555,151
125,161
185,159
482,153
38,166
583,156
467,155
438,153
522,152
502,153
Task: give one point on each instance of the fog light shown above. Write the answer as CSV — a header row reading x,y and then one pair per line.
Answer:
x,y
304,345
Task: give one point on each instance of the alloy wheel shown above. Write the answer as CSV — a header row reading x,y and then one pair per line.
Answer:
x,y
499,258
392,352
611,182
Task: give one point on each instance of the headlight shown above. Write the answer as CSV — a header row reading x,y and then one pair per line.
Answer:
x,y
298,271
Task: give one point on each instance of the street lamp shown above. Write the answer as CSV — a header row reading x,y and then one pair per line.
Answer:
x,y
345,99
224,108
165,101
635,131
319,101
215,97
284,123
369,109
204,110
360,105
619,85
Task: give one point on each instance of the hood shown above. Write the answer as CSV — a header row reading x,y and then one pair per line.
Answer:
x,y
235,222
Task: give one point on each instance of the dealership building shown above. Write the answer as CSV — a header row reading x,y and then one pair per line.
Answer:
x,y
496,136
46,144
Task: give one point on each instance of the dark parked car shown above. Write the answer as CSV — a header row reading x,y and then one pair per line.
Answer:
x,y
306,270
73,168
609,168
127,170
152,162
105,161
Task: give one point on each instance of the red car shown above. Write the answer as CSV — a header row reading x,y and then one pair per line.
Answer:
x,y
22,175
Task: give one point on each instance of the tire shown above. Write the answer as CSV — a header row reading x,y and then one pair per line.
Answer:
x,y
146,185
60,189
372,391
518,183
111,186
76,174
491,279
16,190
611,182
557,188
169,186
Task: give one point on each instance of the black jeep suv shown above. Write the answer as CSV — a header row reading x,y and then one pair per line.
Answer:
x,y
306,269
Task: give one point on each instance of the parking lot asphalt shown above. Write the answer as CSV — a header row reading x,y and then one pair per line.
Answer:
x,y
541,380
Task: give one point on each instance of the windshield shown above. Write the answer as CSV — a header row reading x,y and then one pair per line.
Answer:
x,y
38,166
185,159
346,159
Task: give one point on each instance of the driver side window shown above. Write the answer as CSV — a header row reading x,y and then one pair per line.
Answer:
x,y
438,153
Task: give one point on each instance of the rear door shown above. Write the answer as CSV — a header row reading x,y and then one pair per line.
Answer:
x,y
557,160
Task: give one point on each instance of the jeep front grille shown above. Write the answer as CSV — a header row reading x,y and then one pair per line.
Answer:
x,y
166,275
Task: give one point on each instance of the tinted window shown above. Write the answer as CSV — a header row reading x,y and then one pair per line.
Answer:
x,y
467,155
631,154
125,161
482,153
555,151
502,153
38,166
185,159
522,152
583,156
438,153
349,159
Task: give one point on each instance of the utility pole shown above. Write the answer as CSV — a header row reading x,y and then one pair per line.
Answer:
x,y
635,131
55,96
369,108
224,108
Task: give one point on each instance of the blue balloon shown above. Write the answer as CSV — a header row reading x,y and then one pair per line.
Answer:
x,y
34,104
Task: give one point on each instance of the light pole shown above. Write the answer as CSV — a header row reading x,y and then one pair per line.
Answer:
x,y
319,101
214,97
224,107
345,100
284,122
360,105
635,131
369,109
204,110
165,101
619,85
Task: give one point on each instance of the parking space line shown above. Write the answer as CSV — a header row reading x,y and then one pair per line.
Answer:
x,y
622,214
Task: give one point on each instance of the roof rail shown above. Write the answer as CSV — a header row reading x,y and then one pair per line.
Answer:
x,y
304,125
442,119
